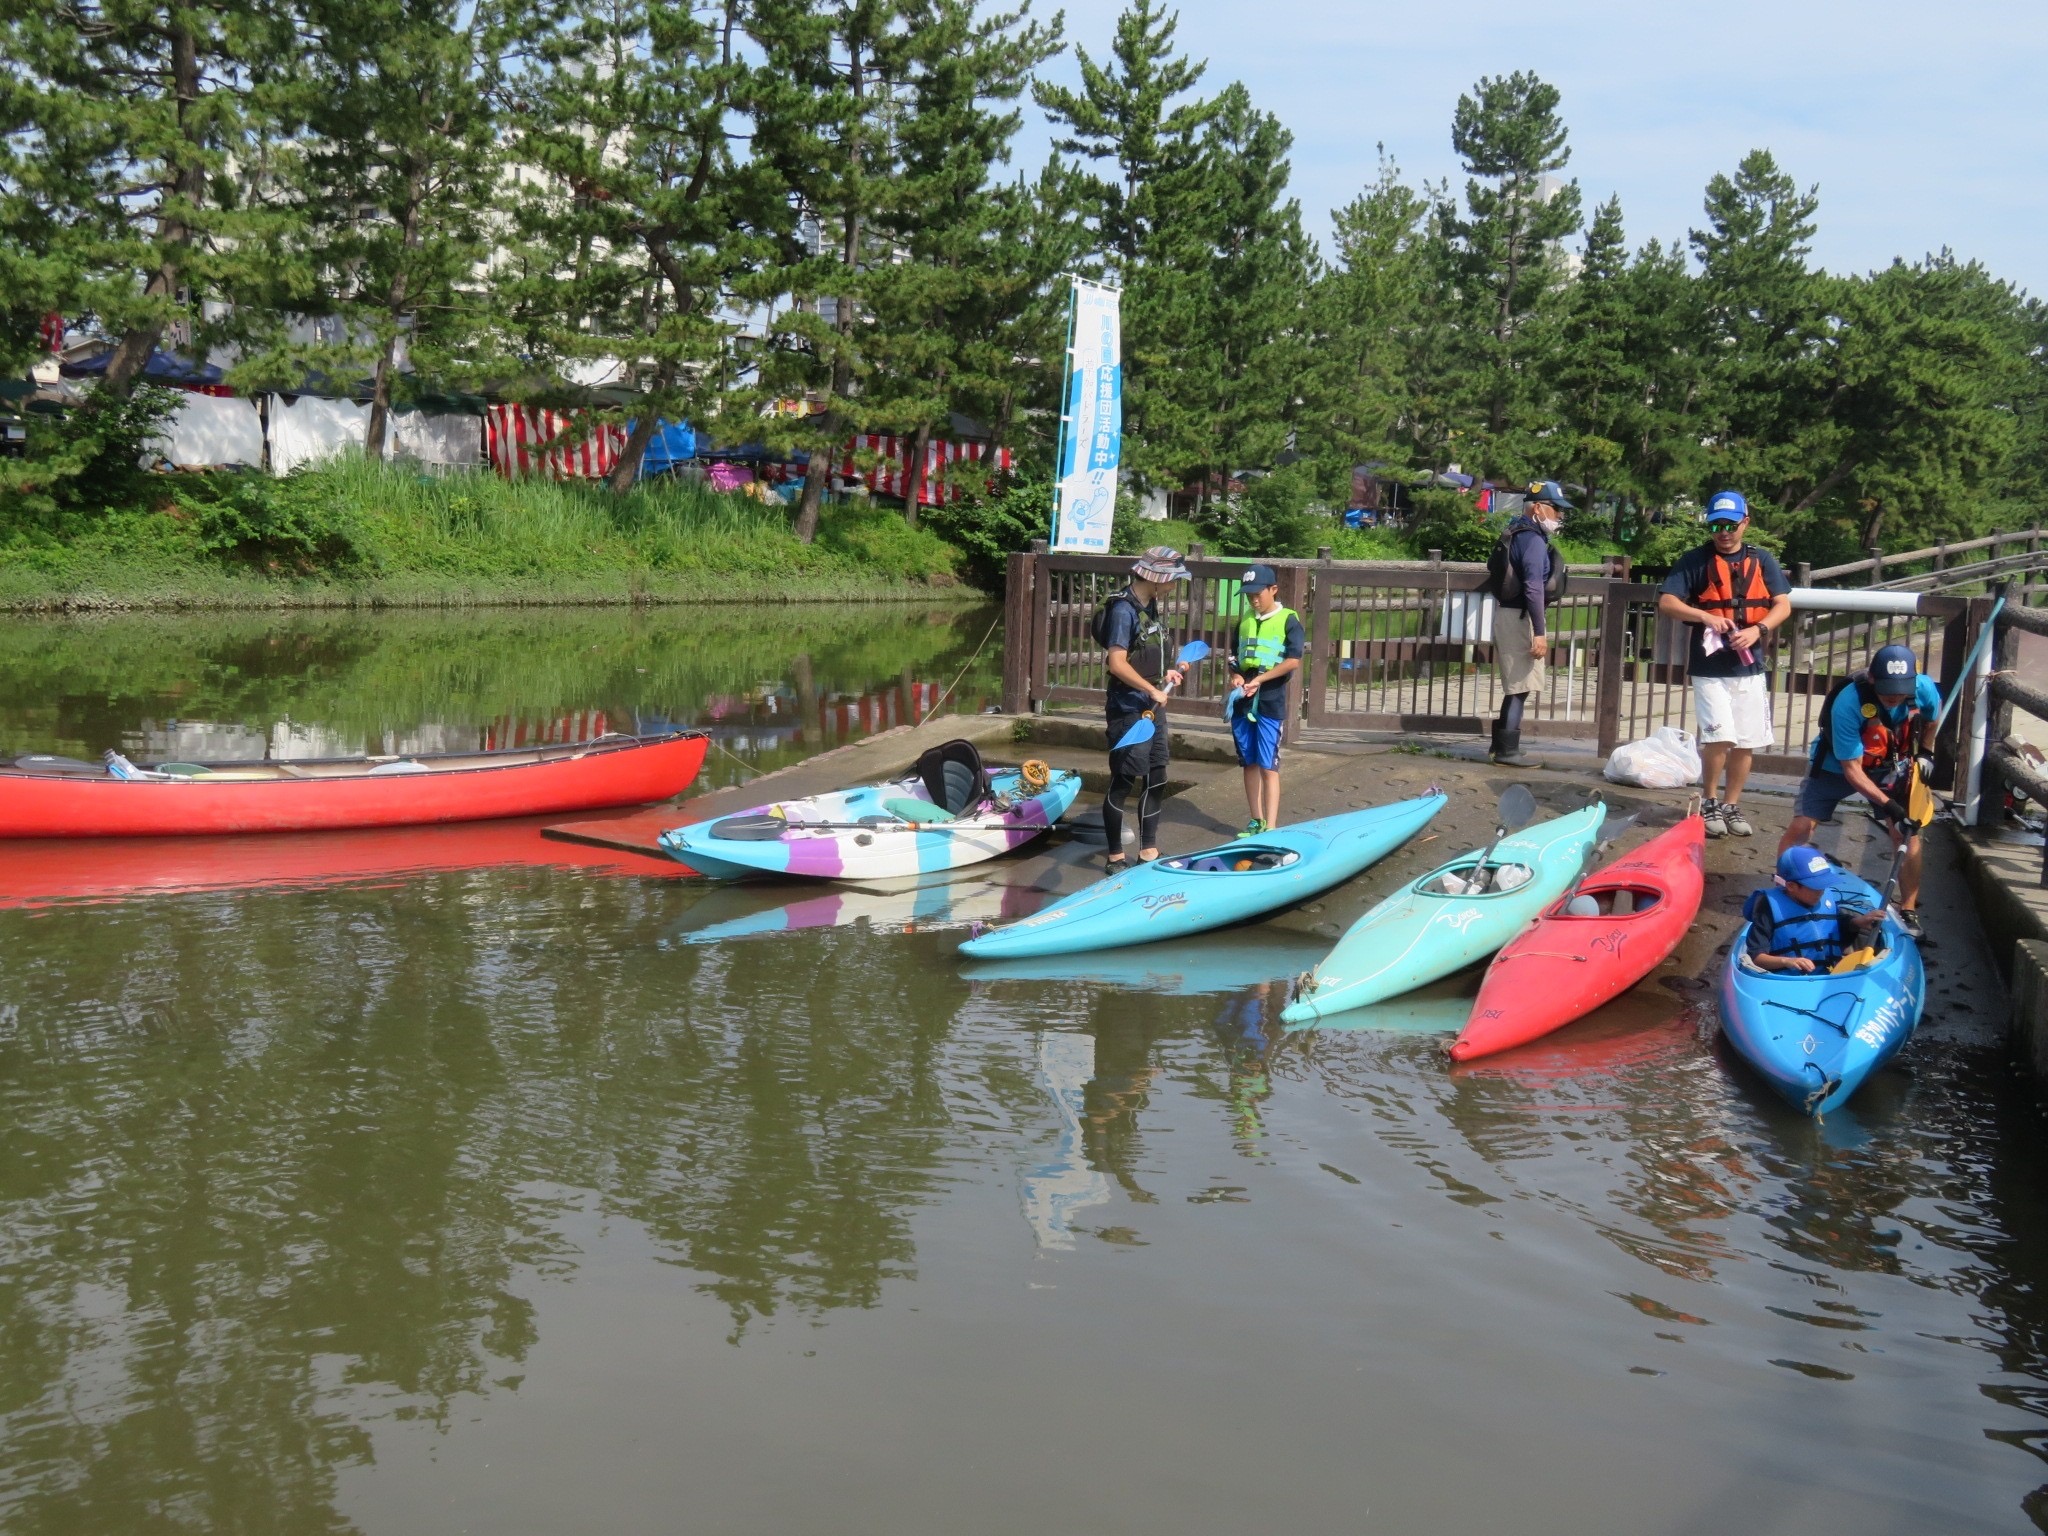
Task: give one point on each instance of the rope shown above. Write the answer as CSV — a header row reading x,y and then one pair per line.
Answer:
x,y
936,703
748,768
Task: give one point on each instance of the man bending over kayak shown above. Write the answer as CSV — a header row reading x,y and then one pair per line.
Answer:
x,y
1806,921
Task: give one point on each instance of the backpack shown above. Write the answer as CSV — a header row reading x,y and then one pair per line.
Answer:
x,y
1098,626
1504,581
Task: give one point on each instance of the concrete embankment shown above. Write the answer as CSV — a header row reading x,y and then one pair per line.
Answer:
x,y
2011,901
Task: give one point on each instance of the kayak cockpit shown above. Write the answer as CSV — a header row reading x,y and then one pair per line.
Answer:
x,y
1467,881
1611,901
1234,860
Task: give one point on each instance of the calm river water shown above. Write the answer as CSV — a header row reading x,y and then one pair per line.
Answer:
x,y
515,1199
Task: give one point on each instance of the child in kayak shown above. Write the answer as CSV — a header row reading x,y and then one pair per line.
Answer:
x,y
1270,643
1805,920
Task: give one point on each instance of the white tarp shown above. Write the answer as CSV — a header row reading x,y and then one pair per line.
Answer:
x,y
210,430
306,430
431,439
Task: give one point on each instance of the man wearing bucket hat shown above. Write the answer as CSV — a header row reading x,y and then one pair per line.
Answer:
x,y
1874,729
1735,597
1270,643
1134,654
1525,576
1805,920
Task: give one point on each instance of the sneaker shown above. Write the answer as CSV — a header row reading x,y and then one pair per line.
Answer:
x,y
1254,827
1735,822
1710,813
1910,921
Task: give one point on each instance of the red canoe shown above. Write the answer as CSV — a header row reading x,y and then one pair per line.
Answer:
x,y
325,794
1562,967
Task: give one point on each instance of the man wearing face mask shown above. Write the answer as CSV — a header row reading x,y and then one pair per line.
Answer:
x,y
1526,576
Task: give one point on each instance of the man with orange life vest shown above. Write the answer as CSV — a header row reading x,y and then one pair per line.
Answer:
x,y
1734,597
1874,728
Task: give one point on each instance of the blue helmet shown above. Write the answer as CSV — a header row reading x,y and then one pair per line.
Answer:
x,y
1804,864
1893,669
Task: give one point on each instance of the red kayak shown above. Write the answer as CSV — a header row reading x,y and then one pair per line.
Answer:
x,y
58,797
1563,966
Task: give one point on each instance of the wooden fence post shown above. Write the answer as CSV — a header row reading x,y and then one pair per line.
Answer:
x,y
1017,634
1956,637
1040,637
1294,593
1613,644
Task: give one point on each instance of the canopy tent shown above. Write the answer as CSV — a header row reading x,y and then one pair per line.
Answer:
x,y
435,437
891,475
305,430
162,368
526,440
208,431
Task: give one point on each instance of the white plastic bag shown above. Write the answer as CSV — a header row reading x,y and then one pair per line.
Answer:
x,y
1665,759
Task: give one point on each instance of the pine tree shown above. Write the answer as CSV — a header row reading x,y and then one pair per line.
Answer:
x,y
133,168
1365,310
1259,268
1598,393
1506,247
397,172
939,311
1764,317
1665,362
639,219
1136,115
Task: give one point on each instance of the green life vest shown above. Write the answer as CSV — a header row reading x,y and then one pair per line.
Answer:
x,y
1262,640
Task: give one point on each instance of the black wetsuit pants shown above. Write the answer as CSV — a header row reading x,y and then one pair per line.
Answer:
x,y
1142,766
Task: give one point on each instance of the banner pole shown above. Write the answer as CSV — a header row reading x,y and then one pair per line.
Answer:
x,y
1059,458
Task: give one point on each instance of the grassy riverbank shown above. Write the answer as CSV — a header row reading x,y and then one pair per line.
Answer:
x,y
352,533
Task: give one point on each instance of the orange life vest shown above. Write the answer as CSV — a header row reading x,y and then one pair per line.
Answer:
x,y
1735,585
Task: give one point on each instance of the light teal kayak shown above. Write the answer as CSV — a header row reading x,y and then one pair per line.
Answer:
x,y
1424,931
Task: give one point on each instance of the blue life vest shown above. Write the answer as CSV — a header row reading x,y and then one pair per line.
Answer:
x,y
1811,933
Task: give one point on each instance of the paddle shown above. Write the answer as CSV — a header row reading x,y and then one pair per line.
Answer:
x,y
1856,959
1969,663
1142,729
1610,835
1517,810
766,828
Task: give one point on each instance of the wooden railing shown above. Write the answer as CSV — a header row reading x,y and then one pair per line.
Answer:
x,y
1408,647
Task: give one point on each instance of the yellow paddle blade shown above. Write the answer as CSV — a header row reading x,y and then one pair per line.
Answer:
x,y
1855,960
1919,800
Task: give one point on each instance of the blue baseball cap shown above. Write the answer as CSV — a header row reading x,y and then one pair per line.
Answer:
x,y
1804,864
1552,492
1893,669
1727,507
1257,578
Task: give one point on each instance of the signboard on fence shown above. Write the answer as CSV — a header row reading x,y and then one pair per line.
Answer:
x,y
1092,427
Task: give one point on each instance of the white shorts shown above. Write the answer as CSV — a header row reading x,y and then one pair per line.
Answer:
x,y
1736,710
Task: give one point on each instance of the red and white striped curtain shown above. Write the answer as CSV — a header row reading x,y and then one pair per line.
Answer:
x,y
521,440
891,477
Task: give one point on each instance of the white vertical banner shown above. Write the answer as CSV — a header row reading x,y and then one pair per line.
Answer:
x,y
1092,428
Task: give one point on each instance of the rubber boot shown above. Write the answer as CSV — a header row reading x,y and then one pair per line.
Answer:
x,y
1507,749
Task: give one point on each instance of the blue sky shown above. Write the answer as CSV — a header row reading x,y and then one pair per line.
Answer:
x,y
1924,124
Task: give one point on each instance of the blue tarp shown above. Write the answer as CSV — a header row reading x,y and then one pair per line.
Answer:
x,y
162,368
673,443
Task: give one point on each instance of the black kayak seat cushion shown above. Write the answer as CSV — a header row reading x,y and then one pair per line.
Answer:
x,y
953,775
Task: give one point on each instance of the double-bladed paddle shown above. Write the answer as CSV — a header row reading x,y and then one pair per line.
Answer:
x,y
1143,728
1517,810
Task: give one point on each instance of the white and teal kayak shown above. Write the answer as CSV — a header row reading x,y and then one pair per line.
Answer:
x,y
1432,927
1194,892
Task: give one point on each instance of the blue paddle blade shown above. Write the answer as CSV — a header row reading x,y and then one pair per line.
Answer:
x,y
1194,650
1142,730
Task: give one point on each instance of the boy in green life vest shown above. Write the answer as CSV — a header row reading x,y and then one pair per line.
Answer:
x,y
1270,642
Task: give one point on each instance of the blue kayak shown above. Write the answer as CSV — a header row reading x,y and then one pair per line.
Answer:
x,y
1815,1037
1194,892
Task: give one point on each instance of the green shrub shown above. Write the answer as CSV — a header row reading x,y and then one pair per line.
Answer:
x,y
987,528
277,525
1447,520
1270,519
87,460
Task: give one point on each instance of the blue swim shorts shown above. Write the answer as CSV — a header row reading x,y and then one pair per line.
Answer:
x,y
1257,736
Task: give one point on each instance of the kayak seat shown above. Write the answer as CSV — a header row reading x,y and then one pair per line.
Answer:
x,y
953,775
1459,882
903,808
1238,861
1613,901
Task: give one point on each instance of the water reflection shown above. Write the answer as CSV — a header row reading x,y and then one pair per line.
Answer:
x,y
302,1187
